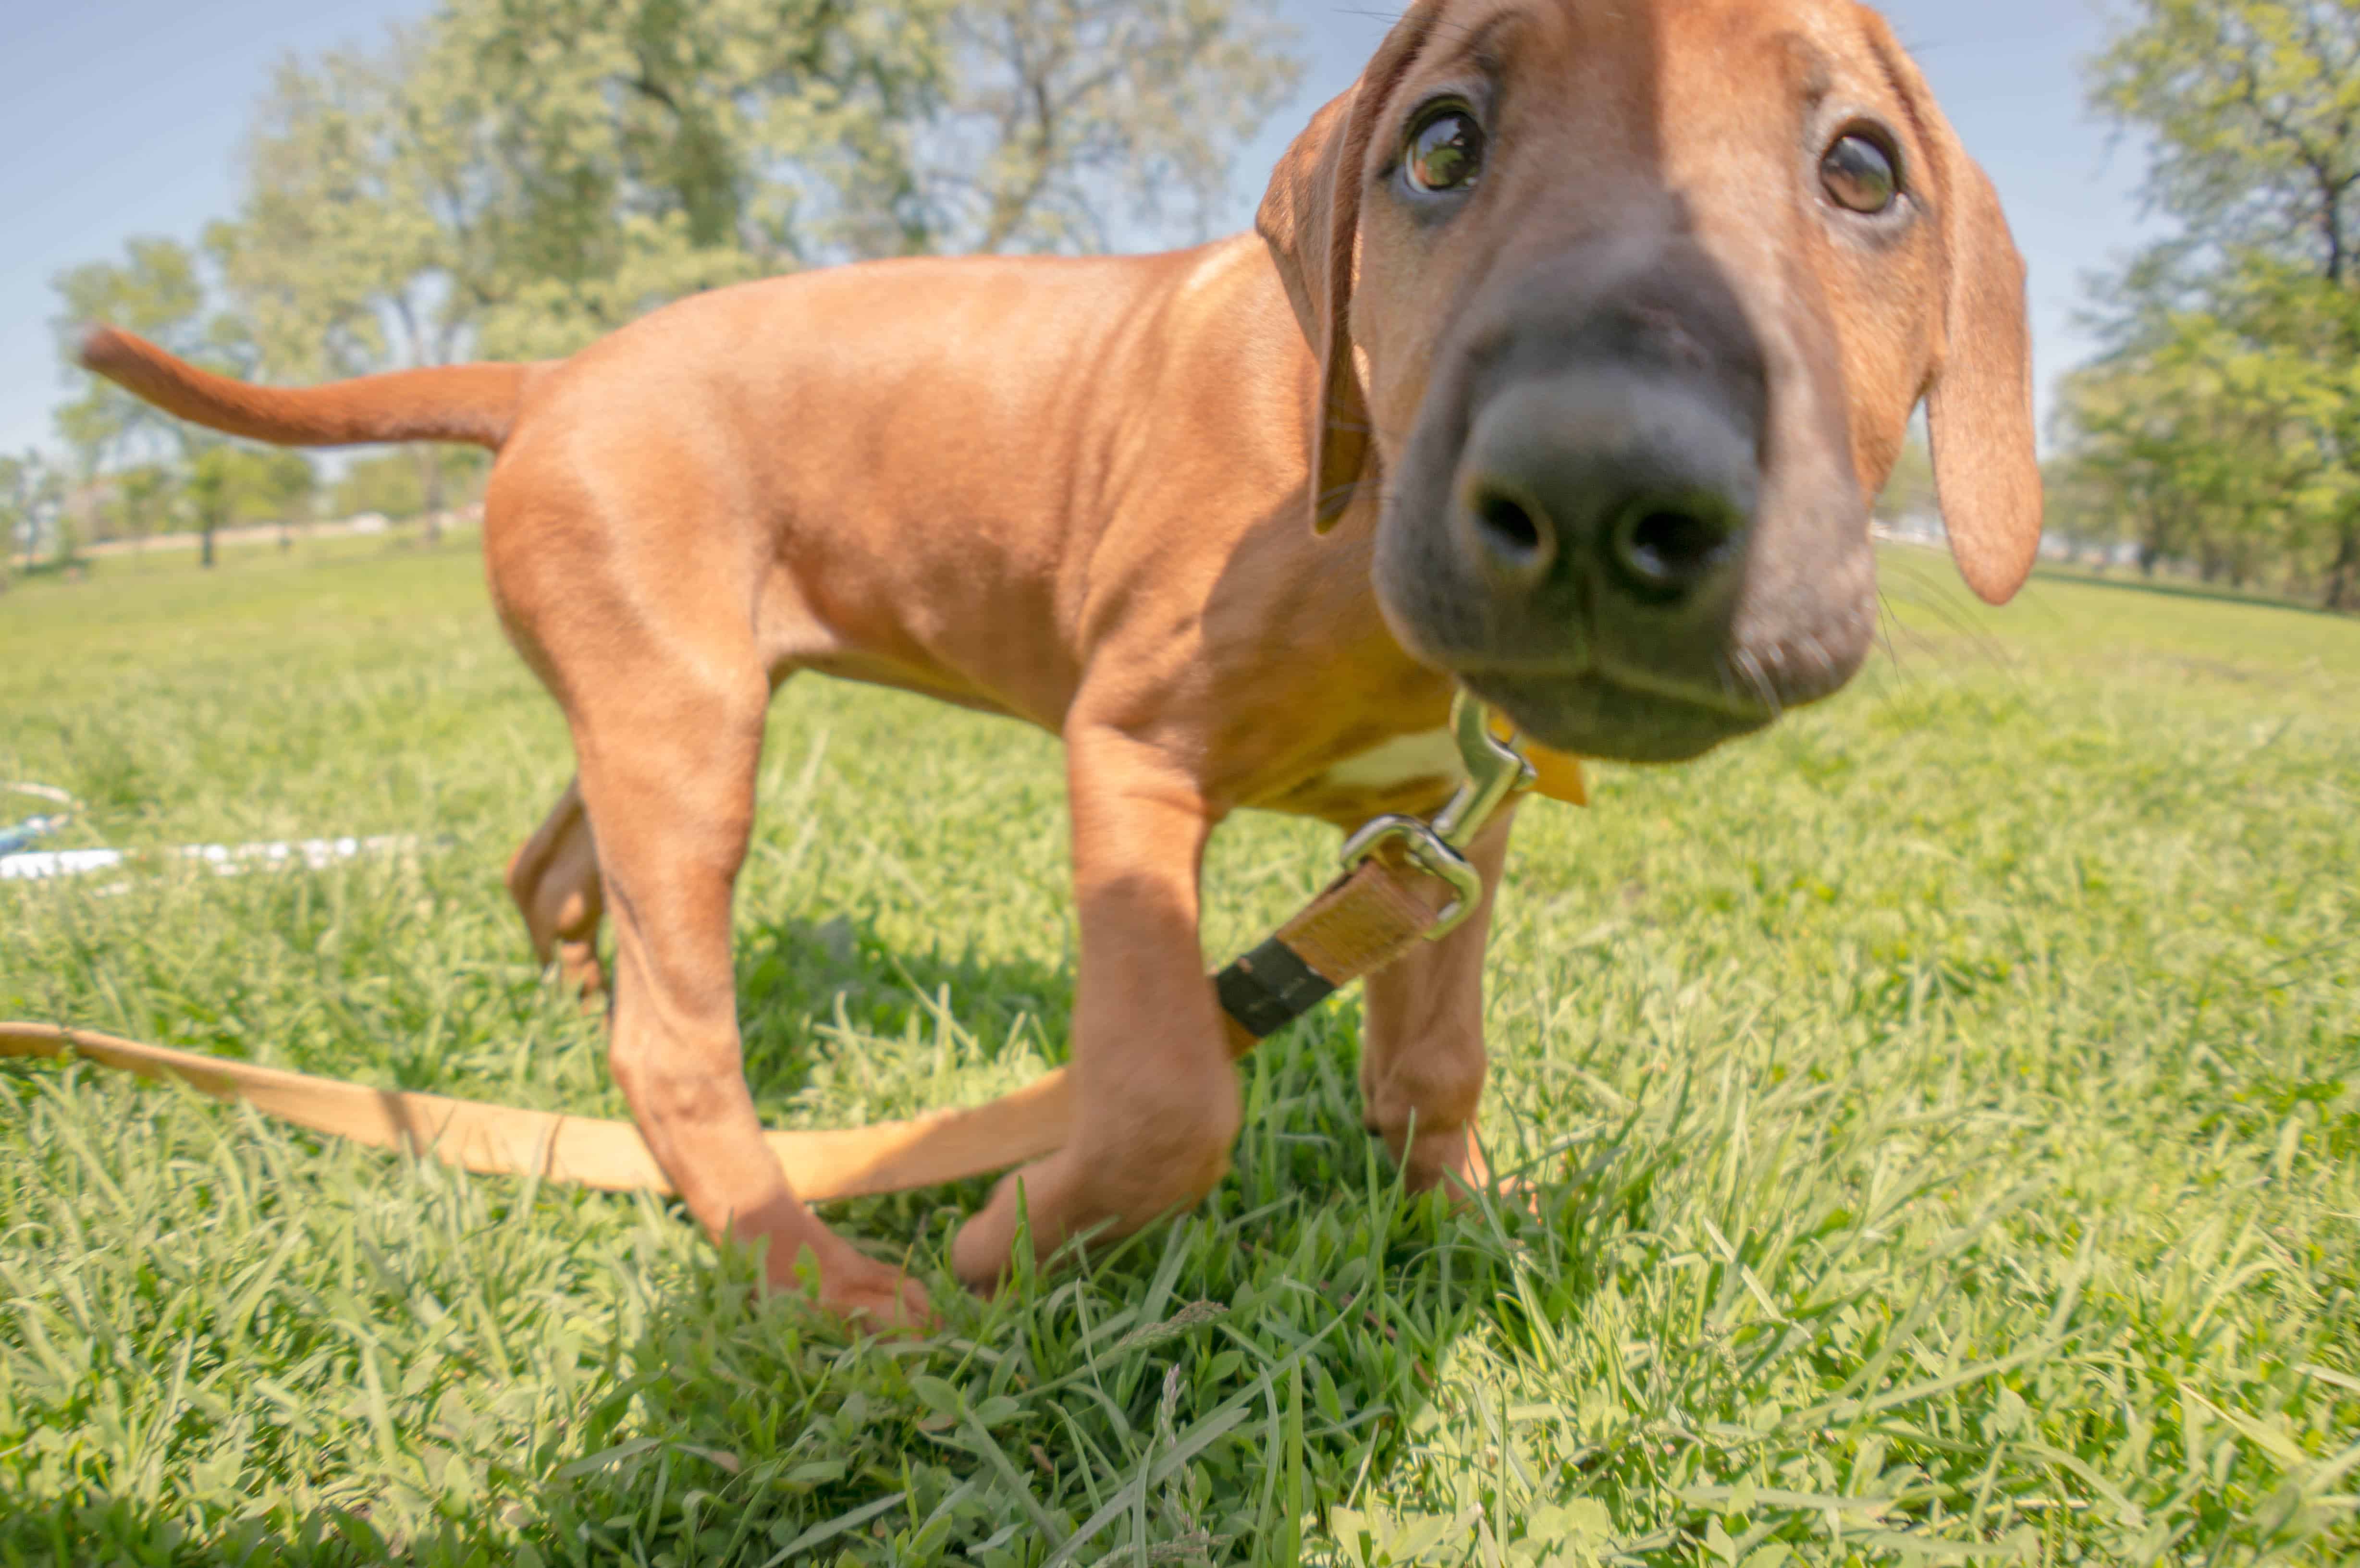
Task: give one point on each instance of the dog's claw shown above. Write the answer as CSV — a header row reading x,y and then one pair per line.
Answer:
x,y
865,1294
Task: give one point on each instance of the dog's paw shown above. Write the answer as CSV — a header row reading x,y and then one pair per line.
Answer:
x,y
856,1289
889,1303
984,1250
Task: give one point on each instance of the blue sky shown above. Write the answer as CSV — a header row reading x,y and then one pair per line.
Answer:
x,y
122,118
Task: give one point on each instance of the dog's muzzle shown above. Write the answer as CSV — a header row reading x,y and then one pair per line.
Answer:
x,y
1578,533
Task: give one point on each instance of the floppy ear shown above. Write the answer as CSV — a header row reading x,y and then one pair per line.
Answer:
x,y
1979,397
1310,218
1979,410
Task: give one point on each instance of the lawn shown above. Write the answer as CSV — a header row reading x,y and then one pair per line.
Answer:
x,y
1946,1111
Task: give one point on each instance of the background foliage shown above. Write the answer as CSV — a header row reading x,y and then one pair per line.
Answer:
x,y
2222,428
511,179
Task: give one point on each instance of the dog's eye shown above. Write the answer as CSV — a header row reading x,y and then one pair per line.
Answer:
x,y
1858,174
1445,149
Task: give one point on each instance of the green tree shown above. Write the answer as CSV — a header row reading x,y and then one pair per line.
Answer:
x,y
390,487
32,495
364,238
512,179
235,482
138,499
158,291
1066,116
2229,405
516,178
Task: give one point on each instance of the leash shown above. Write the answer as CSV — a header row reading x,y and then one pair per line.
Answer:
x,y
34,829
20,864
1404,880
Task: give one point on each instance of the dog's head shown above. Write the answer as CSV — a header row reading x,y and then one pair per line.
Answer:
x,y
1621,308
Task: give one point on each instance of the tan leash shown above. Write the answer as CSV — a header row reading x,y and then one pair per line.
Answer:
x,y
1405,881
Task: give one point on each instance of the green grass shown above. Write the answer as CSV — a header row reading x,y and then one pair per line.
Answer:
x,y
1947,1109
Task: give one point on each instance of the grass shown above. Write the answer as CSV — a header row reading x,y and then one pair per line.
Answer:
x,y
1947,1109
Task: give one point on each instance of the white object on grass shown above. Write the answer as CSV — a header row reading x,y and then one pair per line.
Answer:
x,y
225,860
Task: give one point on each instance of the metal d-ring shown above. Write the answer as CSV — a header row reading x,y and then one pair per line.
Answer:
x,y
1496,770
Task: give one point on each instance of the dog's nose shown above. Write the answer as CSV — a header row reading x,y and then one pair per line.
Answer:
x,y
1619,487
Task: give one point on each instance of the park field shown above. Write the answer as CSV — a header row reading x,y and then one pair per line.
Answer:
x,y
1945,1109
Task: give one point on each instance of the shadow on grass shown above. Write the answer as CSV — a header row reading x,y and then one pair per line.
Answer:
x,y
833,993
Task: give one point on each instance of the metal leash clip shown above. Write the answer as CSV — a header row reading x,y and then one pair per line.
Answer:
x,y
1496,770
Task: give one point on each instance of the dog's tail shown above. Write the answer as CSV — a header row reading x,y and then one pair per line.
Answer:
x,y
472,403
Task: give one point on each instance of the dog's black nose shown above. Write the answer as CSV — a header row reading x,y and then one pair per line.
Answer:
x,y
1620,490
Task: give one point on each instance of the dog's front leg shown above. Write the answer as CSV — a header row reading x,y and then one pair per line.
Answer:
x,y
1155,1108
1422,1057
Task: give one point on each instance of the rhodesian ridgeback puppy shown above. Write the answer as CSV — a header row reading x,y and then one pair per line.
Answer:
x,y
1573,343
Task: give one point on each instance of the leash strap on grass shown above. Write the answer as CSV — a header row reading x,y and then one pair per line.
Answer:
x,y
586,1151
1358,924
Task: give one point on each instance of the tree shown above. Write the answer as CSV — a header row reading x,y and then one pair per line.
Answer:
x,y
140,500
516,178
235,482
2254,111
1068,113
32,495
157,291
2228,407
361,243
512,179
389,486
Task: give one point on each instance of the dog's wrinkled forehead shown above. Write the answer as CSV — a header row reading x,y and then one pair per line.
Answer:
x,y
1709,119
1654,78
1594,111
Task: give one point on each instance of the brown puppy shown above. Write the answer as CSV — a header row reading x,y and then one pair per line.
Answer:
x,y
1581,329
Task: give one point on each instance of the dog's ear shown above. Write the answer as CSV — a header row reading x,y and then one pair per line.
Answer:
x,y
1979,396
1979,408
1310,218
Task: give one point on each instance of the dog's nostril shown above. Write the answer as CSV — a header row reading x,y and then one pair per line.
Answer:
x,y
1511,523
1668,549
1511,533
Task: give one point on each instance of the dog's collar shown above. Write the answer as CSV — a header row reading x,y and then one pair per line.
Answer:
x,y
1384,903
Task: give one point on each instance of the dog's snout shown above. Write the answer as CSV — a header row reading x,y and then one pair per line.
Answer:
x,y
1615,487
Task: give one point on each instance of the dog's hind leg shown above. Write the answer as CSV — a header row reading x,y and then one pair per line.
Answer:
x,y
554,877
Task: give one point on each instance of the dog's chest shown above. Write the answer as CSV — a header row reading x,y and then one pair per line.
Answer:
x,y
1415,773
1425,757
1406,773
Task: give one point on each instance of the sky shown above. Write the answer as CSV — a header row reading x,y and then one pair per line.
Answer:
x,y
122,118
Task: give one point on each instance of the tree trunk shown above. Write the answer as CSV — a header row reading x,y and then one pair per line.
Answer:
x,y
2343,576
430,487
205,544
